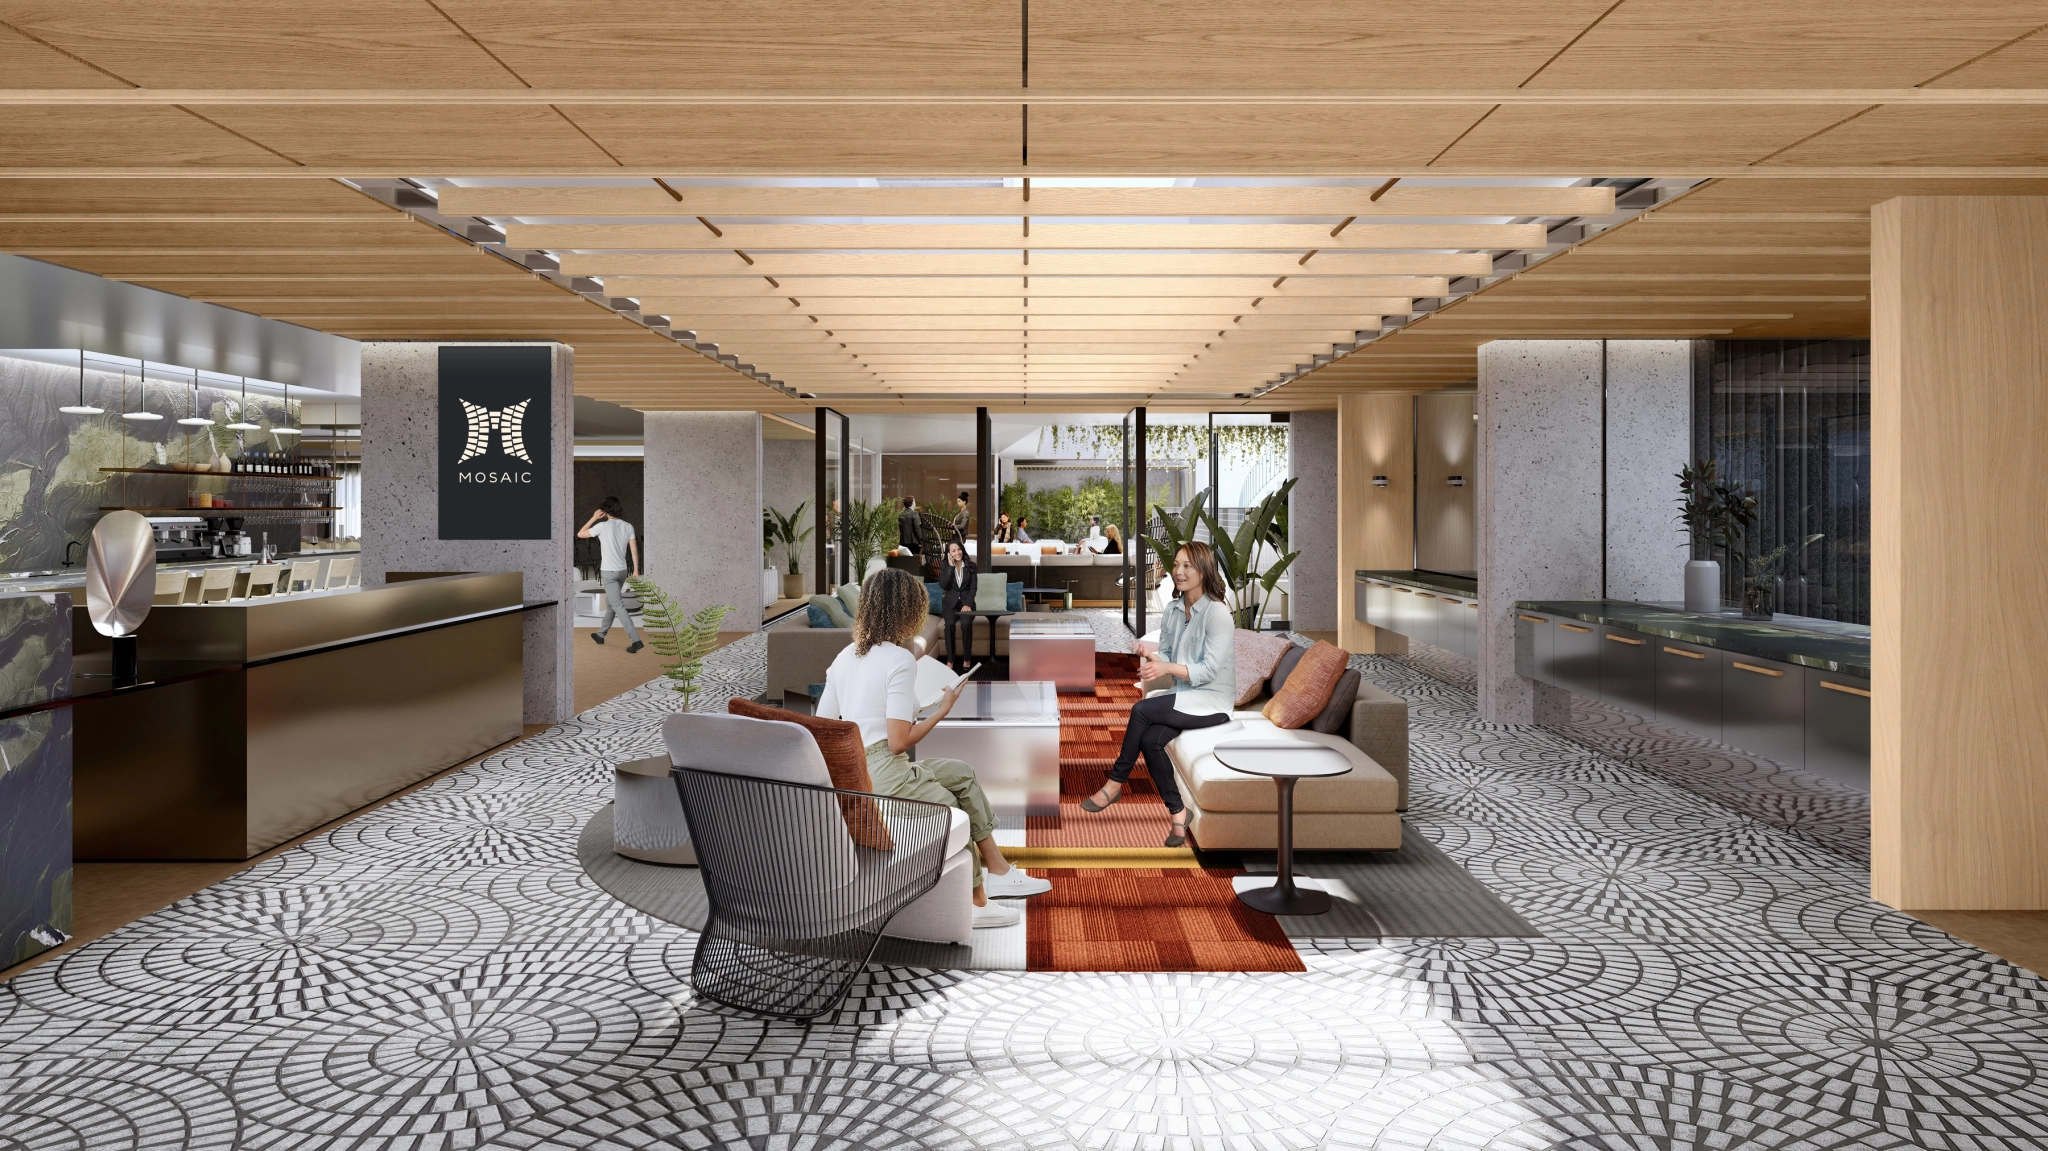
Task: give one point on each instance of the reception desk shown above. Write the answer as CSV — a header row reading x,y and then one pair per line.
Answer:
x,y
258,720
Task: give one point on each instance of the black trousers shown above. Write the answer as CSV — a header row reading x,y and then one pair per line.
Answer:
x,y
951,611
1154,724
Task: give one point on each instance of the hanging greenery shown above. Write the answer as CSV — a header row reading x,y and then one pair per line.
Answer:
x,y
1173,441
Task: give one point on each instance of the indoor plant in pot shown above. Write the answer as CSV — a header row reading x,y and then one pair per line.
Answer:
x,y
1717,512
782,529
1760,577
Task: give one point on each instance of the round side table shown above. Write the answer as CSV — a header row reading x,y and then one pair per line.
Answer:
x,y
1285,762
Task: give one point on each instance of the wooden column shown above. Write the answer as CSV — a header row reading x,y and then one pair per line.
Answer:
x,y
1959,618
1375,525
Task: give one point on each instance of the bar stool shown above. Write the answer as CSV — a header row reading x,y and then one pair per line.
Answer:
x,y
217,584
194,581
339,570
308,570
263,577
170,589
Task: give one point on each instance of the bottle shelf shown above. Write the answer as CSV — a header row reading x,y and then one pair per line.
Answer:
x,y
227,475
218,513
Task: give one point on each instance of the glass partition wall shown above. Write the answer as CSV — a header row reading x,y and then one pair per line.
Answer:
x,y
833,483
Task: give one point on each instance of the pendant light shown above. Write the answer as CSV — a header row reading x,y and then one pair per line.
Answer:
x,y
286,429
81,408
191,420
141,411
242,423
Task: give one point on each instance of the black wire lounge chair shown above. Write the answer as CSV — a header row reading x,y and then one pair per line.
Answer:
x,y
796,904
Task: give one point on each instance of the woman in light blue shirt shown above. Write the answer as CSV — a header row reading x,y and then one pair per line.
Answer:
x,y
1198,649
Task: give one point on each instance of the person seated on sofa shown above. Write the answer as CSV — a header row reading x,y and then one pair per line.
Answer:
x,y
1004,532
1198,649
956,593
873,683
1115,546
1023,533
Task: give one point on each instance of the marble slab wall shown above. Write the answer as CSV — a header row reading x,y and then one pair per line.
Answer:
x,y
35,777
1312,522
401,516
51,485
1537,506
704,480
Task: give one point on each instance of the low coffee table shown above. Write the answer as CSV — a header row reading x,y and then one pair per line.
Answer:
x,y
1285,762
1060,648
1010,734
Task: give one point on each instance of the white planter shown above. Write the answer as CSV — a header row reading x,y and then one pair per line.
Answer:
x,y
1703,585
771,586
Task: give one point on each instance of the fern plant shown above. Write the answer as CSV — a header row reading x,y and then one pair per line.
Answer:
x,y
683,643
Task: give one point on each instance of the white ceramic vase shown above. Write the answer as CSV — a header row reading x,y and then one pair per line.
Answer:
x,y
1703,585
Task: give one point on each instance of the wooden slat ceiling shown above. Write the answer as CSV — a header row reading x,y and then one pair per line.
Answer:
x,y
198,148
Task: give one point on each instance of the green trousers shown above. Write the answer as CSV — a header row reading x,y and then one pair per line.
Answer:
x,y
946,781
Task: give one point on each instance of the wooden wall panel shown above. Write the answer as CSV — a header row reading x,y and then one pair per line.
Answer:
x,y
1375,526
1959,620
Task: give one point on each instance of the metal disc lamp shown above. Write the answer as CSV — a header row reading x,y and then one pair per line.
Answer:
x,y
242,423
190,419
81,408
141,411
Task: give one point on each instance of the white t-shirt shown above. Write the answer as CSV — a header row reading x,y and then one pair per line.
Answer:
x,y
871,689
611,538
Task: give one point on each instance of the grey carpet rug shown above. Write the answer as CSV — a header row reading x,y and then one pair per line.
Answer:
x,y
1417,892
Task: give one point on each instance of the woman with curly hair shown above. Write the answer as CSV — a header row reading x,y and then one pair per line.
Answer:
x,y
873,683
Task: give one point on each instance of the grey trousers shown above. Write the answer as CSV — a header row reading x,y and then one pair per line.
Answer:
x,y
615,604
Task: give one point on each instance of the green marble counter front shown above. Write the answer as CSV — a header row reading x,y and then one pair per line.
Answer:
x,y
1825,645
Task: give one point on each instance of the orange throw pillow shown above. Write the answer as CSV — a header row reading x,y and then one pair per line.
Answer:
x,y
1307,690
846,760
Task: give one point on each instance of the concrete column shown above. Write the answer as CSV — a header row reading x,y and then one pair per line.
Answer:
x,y
1375,525
1958,734
789,470
704,511
1312,522
1537,507
1649,437
401,518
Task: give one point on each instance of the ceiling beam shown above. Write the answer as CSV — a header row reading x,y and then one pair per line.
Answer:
x,y
1075,264
1038,306
1041,286
754,238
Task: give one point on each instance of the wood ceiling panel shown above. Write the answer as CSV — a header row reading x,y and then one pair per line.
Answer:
x,y
842,265
811,288
1268,139
1768,44
1901,135
1016,305
1636,139
1676,229
187,197
921,44
47,137
814,141
455,266
1305,43
393,232
1044,202
431,139
2021,64
757,239
844,326
1834,195
27,64
263,44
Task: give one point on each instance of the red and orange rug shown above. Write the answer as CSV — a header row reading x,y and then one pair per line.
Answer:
x,y
1121,901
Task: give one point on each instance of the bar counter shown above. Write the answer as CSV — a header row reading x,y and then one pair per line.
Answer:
x,y
255,721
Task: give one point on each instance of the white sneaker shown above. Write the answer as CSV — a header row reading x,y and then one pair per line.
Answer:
x,y
995,915
1013,884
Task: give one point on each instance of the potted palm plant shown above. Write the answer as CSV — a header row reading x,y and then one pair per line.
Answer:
x,y
873,533
782,529
1237,556
1717,512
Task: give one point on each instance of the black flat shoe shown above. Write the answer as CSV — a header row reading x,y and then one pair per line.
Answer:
x,y
596,638
1178,836
636,645
1089,803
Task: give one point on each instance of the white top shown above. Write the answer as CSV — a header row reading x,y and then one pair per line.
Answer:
x,y
1281,758
871,689
611,538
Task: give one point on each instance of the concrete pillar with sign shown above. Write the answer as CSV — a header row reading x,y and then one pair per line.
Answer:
x,y
467,466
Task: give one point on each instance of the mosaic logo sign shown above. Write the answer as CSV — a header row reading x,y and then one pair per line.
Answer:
x,y
496,443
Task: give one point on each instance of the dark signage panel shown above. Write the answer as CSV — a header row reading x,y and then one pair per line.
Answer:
x,y
495,448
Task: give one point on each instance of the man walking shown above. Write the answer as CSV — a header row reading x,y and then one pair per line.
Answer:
x,y
910,528
615,541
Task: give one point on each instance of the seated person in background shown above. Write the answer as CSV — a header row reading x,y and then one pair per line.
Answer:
x,y
1004,532
1198,649
1115,546
1023,535
960,517
873,683
956,591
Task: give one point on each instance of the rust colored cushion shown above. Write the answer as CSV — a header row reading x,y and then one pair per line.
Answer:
x,y
1307,690
846,758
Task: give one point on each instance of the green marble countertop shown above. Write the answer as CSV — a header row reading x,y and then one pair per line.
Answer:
x,y
1434,581
1828,645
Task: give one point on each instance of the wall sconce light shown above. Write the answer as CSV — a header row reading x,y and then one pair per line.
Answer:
x,y
1457,481
1379,481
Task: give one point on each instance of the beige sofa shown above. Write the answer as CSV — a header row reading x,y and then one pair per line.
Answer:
x,y
1357,812
798,653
